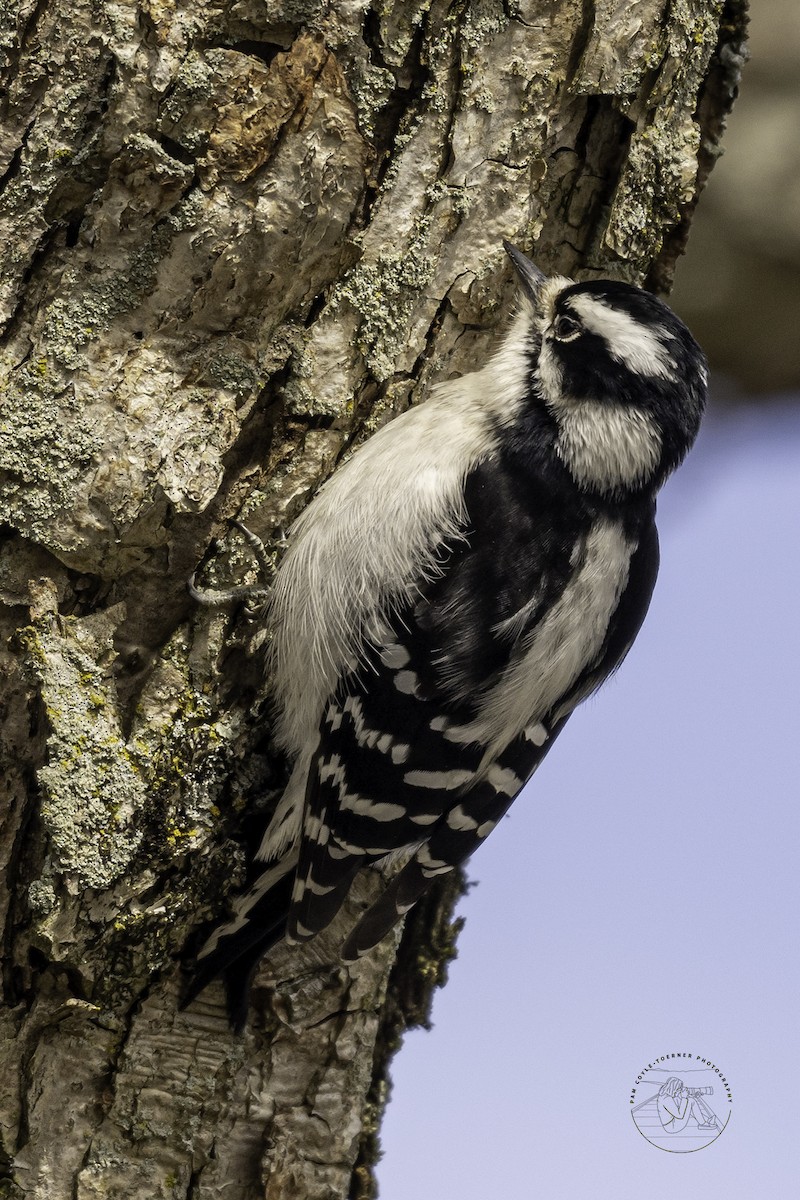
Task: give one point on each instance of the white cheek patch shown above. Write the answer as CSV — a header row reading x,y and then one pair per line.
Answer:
x,y
639,348
606,446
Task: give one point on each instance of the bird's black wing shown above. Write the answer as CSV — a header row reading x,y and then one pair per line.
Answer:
x,y
391,770
386,776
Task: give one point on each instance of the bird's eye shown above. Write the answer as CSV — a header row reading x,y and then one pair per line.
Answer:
x,y
565,327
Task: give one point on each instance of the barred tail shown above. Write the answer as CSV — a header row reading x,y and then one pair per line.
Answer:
x,y
401,895
235,946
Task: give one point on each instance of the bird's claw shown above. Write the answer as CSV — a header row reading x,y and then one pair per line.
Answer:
x,y
255,596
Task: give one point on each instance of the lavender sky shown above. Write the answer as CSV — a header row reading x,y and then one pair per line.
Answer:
x,y
642,895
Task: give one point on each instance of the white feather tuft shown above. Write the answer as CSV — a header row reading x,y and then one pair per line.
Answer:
x,y
402,495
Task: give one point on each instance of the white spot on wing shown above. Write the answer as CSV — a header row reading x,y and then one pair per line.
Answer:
x,y
432,866
316,830
462,735
301,933
394,656
331,770
373,738
407,682
377,810
503,780
318,889
333,717
459,820
445,780
424,858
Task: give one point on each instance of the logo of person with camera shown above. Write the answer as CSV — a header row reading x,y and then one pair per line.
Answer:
x,y
678,1104
678,1113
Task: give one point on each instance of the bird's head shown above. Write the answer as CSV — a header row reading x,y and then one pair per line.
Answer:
x,y
621,376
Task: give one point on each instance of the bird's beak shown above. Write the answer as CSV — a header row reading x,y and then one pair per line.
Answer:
x,y
530,277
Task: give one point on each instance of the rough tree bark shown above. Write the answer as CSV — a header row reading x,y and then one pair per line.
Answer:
x,y
236,237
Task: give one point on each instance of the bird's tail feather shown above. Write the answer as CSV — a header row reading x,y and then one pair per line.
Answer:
x,y
234,947
401,894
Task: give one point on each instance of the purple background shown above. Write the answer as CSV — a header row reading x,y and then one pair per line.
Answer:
x,y
642,895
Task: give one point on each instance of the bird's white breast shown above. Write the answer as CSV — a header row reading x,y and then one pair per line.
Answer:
x,y
568,639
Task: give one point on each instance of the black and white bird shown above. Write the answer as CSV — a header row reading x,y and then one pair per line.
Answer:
x,y
477,569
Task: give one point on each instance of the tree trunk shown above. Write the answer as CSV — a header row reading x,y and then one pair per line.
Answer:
x,y
235,239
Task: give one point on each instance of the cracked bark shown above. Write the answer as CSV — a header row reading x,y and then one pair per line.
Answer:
x,y
236,238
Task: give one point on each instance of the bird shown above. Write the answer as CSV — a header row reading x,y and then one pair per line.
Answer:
x,y
471,574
